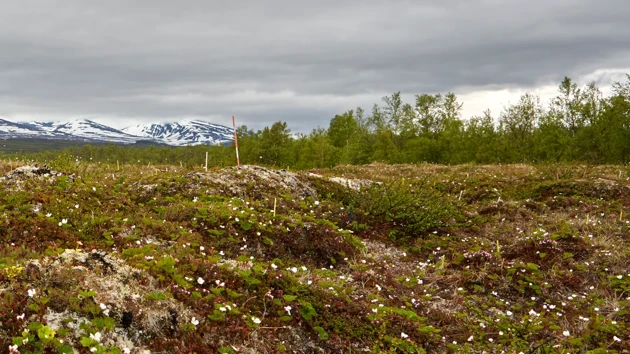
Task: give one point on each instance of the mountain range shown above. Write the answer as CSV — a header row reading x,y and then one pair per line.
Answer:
x,y
186,132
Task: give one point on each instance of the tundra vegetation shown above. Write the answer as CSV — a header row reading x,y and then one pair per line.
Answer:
x,y
104,258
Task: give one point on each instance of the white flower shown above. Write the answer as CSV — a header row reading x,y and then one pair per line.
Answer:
x,y
194,321
288,309
76,206
616,339
93,349
31,292
200,281
274,266
509,313
566,333
201,248
126,351
294,270
222,309
96,336
256,320
317,202
470,338
48,215
94,189
403,335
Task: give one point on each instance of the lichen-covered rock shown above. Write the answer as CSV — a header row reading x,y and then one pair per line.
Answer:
x,y
118,289
238,181
16,178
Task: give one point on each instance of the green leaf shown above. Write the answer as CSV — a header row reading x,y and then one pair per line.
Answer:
x,y
322,333
87,294
45,333
34,326
88,342
65,349
33,307
307,310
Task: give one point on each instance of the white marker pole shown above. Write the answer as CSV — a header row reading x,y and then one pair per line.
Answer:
x,y
238,161
206,161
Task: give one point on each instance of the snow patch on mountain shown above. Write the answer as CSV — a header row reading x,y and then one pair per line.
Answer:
x,y
10,130
187,132
88,129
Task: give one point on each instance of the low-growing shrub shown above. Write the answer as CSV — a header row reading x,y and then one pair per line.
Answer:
x,y
414,208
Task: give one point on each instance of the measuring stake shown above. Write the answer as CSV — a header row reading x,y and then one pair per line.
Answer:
x,y
238,161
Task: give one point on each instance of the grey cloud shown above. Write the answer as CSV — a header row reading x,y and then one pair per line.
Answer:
x,y
300,62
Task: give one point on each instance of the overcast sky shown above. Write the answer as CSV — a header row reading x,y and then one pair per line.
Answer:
x,y
122,62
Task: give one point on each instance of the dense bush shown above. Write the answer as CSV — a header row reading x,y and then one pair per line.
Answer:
x,y
414,208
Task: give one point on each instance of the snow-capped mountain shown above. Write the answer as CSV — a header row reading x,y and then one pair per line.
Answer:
x,y
188,132
11,130
87,129
191,132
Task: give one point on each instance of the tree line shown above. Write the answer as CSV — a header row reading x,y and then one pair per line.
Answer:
x,y
579,124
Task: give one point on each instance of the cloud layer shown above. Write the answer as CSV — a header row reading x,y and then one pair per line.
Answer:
x,y
122,62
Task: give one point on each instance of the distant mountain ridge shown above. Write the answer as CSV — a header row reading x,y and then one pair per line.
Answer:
x,y
189,131
186,132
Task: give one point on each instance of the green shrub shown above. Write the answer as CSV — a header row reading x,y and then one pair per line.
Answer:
x,y
413,208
